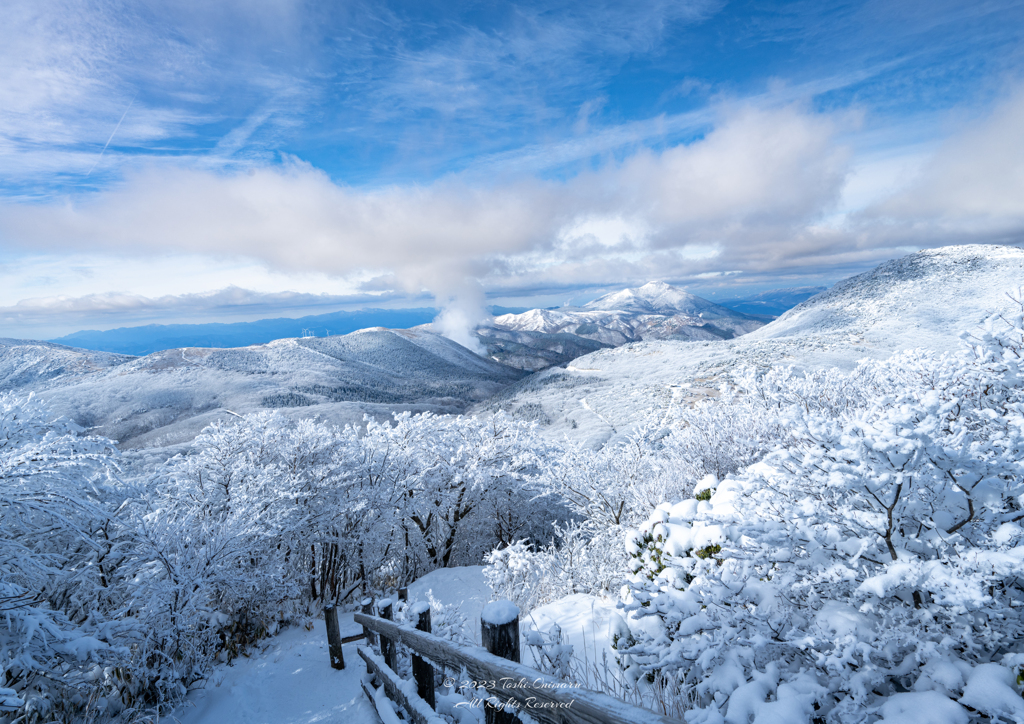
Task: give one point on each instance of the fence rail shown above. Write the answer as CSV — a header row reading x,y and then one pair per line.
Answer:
x,y
545,698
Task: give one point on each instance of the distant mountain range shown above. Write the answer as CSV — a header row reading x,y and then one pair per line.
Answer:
x,y
151,338
504,341
164,397
598,389
167,397
920,301
772,303
542,337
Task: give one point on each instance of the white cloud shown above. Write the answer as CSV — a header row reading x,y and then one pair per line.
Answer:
x,y
765,193
770,168
972,187
55,316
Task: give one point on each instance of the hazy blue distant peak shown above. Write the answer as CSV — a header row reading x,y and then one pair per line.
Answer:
x,y
150,338
774,302
156,337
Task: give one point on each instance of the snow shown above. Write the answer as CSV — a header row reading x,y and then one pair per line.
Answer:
x,y
925,707
83,648
660,298
653,311
9,700
289,681
464,587
167,397
905,303
795,536
990,689
497,613
901,305
587,623
385,709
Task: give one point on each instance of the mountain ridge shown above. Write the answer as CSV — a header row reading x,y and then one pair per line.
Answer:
x,y
655,310
167,397
923,300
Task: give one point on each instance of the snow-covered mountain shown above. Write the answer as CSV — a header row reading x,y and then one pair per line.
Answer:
x,y
532,351
923,300
167,397
657,298
654,311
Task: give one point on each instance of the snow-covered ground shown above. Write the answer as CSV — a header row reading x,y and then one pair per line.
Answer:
x,y
584,623
289,680
463,587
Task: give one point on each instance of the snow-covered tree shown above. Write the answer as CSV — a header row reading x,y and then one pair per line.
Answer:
x,y
870,568
57,549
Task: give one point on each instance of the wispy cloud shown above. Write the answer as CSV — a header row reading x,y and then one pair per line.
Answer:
x,y
757,194
52,316
71,69
758,176
498,148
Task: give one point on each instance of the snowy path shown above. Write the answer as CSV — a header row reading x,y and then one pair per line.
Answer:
x,y
289,681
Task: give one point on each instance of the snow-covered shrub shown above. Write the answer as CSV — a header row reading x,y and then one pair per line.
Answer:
x,y
717,437
519,574
447,489
614,488
871,568
548,653
58,547
580,559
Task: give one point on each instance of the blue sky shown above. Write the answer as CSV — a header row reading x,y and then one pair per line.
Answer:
x,y
213,161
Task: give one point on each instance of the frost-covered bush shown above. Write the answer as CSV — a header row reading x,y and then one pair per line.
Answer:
x,y
58,547
870,569
717,437
616,487
580,559
612,486
441,491
119,596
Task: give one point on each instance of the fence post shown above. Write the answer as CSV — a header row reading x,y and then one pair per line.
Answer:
x,y
371,637
403,594
387,646
334,636
499,633
423,672
367,608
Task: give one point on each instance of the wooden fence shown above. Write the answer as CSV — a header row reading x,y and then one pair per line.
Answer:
x,y
510,685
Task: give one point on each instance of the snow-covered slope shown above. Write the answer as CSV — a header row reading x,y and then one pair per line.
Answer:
x,y
543,337
920,301
528,350
29,364
167,397
657,298
653,311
